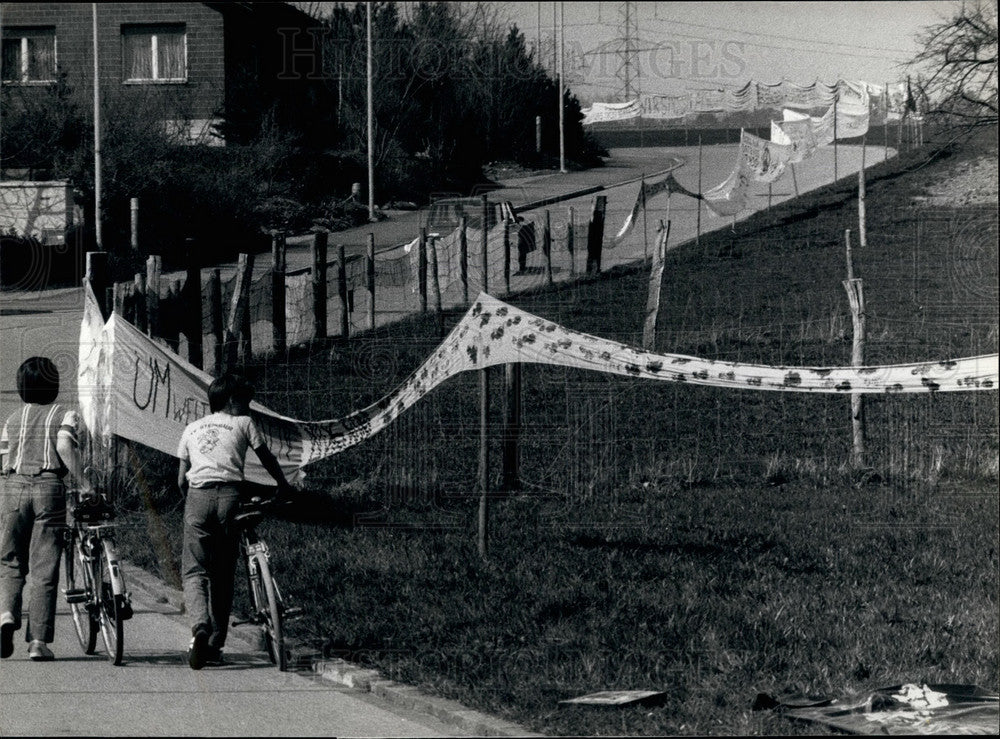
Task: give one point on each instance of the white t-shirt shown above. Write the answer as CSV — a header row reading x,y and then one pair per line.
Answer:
x,y
216,446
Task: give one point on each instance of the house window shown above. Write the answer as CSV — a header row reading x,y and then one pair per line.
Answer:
x,y
154,53
29,55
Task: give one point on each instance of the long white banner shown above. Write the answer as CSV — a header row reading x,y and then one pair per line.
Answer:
x,y
131,386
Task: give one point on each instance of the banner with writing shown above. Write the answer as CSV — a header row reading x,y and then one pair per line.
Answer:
x,y
155,393
764,160
603,112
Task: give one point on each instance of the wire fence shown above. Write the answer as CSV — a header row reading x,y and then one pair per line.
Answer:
x,y
931,293
930,282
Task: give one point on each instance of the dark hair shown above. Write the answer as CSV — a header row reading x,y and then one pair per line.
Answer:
x,y
38,380
228,387
243,393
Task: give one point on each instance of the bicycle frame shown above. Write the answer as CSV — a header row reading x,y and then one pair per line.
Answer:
x,y
103,602
267,609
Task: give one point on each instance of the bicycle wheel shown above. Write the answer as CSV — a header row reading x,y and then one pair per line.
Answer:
x,y
78,594
112,626
269,611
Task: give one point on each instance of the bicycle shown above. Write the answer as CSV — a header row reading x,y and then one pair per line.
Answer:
x,y
268,609
95,590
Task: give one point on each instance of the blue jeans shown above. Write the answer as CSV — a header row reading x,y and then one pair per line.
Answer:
x,y
208,559
32,526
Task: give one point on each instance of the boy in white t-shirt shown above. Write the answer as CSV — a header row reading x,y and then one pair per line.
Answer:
x,y
212,453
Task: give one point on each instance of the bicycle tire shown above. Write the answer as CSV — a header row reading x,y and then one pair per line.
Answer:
x,y
83,621
270,612
112,624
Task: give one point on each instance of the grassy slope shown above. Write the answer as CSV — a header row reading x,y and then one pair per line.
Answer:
x,y
706,553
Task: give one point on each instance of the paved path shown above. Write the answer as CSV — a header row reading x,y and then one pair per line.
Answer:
x,y
155,693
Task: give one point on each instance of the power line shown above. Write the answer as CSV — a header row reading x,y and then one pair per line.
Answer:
x,y
831,52
780,36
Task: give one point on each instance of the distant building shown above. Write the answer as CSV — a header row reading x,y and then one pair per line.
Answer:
x,y
40,210
210,66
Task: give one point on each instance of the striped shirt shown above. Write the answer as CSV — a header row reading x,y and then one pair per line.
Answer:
x,y
28,439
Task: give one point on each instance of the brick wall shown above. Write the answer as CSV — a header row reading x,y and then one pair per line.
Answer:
x,y
200,97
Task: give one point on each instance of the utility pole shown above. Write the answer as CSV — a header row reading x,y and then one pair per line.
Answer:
x,y
554,44
562,106
98,231
371,123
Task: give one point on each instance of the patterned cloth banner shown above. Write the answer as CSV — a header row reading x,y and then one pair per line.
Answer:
x,y
648,190
602,112
764,160
133,387
796,131
729,198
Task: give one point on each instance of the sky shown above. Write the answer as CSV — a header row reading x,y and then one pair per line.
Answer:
x,y
684,45
698,45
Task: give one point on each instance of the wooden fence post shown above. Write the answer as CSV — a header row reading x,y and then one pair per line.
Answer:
x,y
463,255
862,225
653,293
422,268
571,241
511,479
171,317
134,223
595,235
856,298
319,284
485,242
436,283
191,306
697,238
279,328
547,246
370,275
645,210
506,256
119,295
238,308
484,461
345,308
215,305
246,340
139,301
153,294
484,407
835,175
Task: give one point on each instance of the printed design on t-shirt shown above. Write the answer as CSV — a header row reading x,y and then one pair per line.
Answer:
x,y
208,439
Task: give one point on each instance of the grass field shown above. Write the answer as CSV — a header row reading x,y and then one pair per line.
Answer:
x,y
713,545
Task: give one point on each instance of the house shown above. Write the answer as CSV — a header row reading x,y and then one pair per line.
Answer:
x,y
201,68
41,210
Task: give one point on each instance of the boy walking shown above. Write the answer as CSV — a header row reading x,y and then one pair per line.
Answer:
x,y
212,454
38,447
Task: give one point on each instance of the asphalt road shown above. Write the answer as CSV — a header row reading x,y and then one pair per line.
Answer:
x,y
156,693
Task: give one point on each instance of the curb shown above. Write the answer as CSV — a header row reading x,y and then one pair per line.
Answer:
x,y
407,696
341,671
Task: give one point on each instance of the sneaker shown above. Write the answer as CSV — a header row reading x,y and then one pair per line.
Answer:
x,y
38,651
213,656
6,634
198,652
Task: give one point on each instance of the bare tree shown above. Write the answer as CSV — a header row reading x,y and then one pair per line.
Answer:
x,y
956,71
